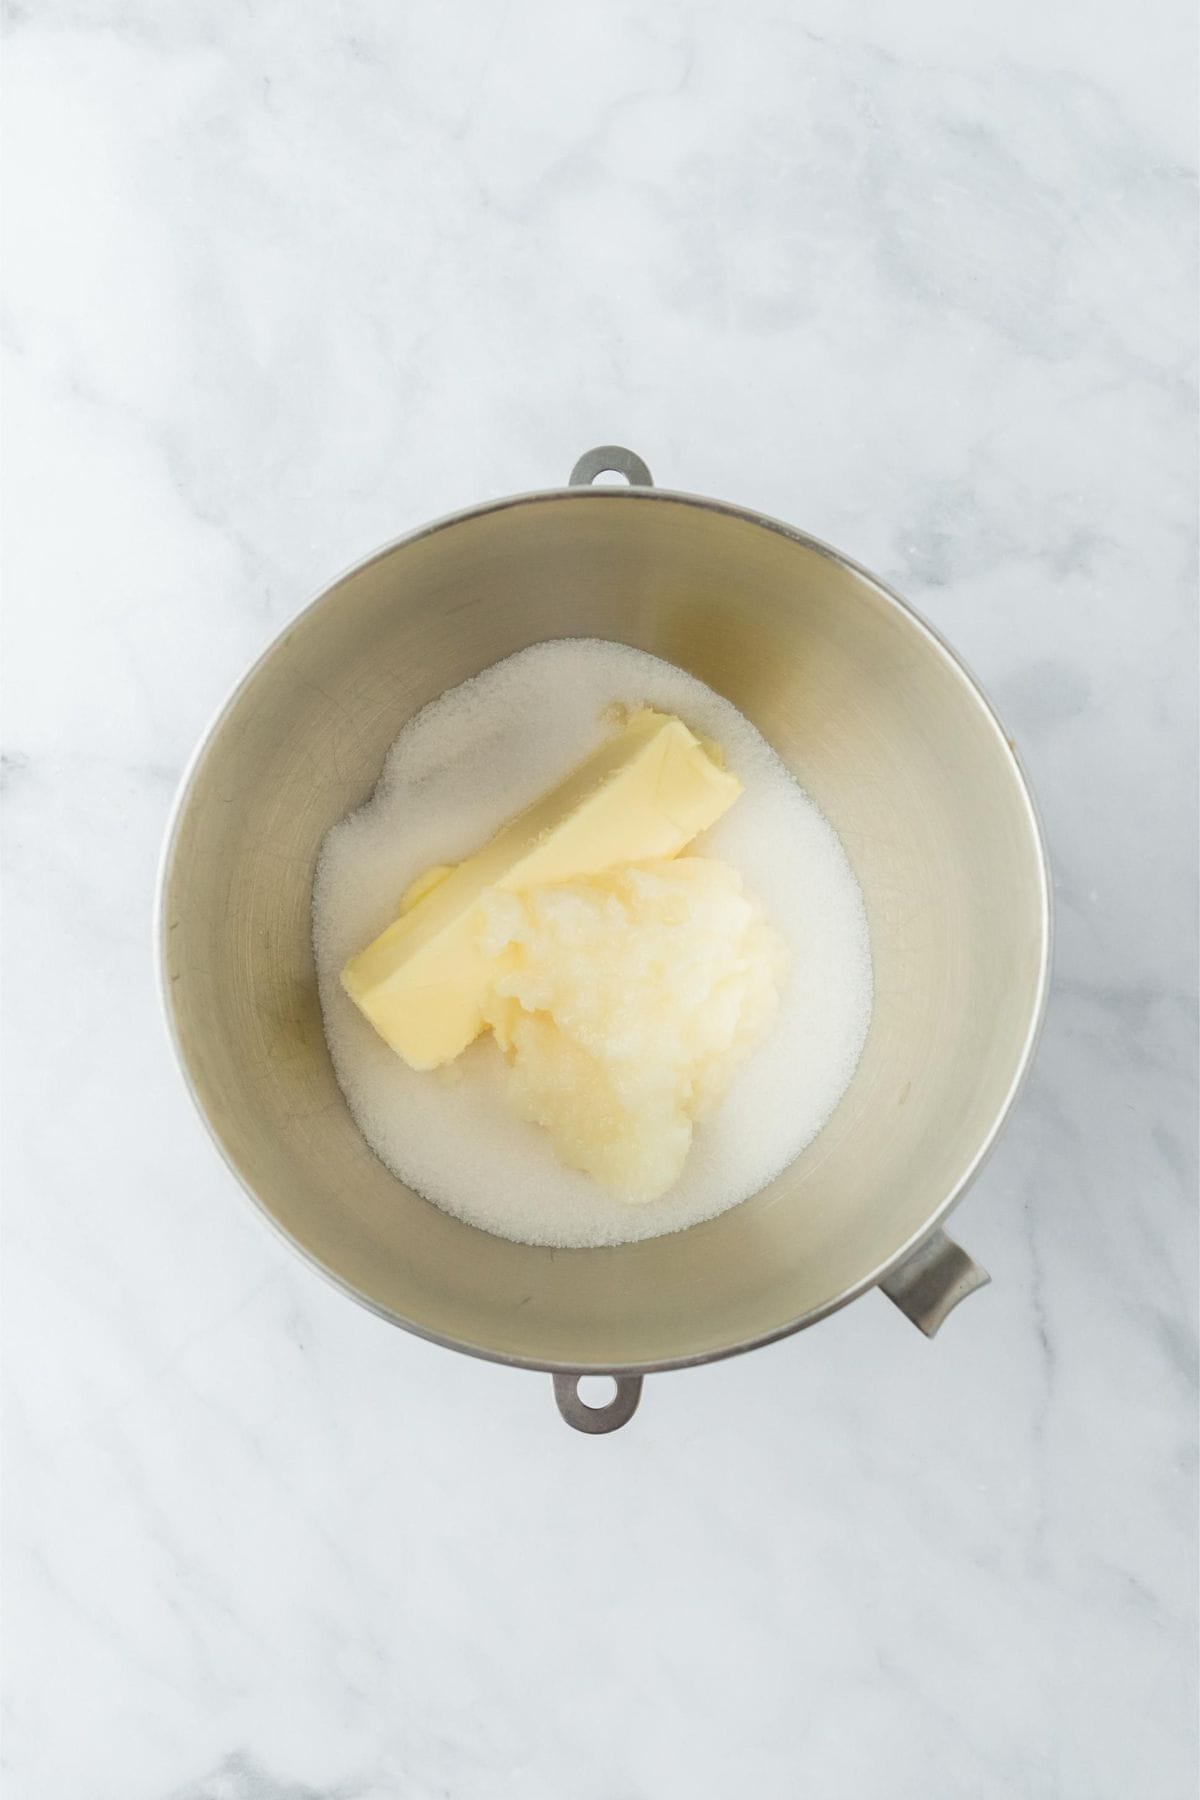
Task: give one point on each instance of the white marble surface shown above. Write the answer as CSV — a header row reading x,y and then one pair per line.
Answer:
x,y
284,281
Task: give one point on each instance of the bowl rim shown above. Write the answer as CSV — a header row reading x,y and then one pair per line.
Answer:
x,y
591,495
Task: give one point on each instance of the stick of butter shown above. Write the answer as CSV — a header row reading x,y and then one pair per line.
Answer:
x,y
645,793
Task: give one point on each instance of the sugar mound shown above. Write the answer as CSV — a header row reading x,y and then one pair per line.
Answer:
x,y
458,771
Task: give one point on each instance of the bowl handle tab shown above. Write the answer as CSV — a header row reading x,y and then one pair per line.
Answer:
x,y
592,1419
611,459
930,1282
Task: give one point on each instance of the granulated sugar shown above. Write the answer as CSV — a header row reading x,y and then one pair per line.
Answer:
x,y
458,771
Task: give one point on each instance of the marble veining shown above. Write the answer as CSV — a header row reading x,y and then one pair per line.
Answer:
x,y
283,283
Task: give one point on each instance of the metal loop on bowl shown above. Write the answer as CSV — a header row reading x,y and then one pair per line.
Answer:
x,y
593,1419
611,459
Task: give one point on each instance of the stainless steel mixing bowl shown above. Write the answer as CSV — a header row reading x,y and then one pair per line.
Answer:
x,y
880,723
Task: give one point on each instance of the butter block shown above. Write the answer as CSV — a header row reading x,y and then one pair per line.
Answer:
x,y
644,794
